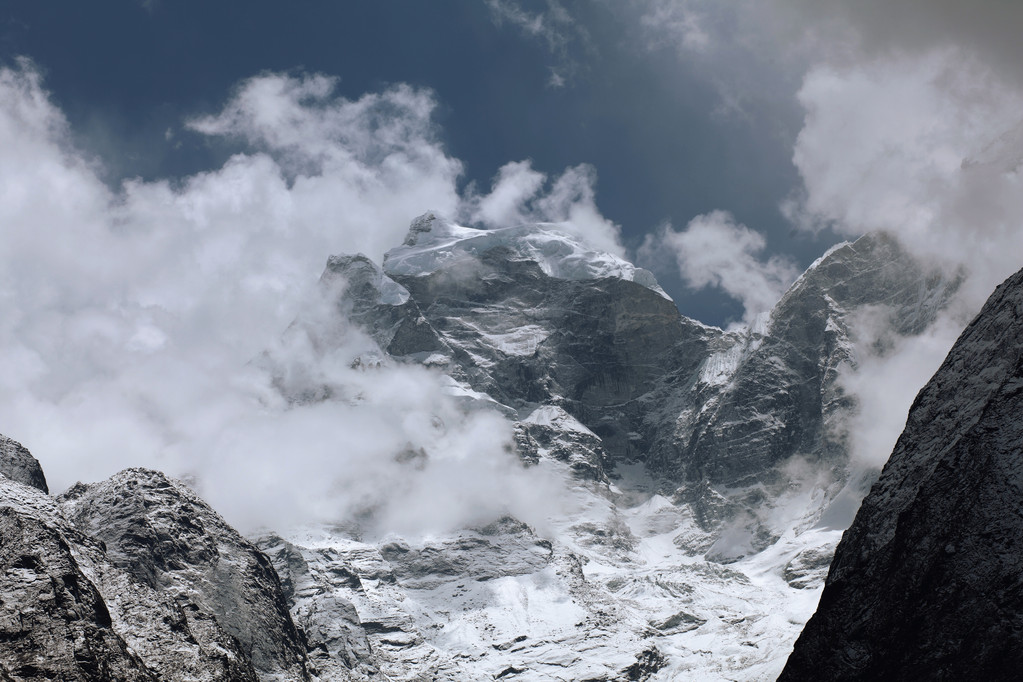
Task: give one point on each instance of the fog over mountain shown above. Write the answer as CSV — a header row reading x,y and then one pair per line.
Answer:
x,y
511,409
438,417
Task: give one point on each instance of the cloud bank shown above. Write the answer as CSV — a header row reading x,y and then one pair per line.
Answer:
x,y
131,318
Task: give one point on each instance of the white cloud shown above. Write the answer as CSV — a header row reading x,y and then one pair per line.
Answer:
x,y
914,125
716,251
868,29
520,194
889,372
129,317
515,184
925,146
912,112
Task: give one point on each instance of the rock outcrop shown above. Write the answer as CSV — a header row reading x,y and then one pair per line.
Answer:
x,y
18,464
926,583
170,540
54,623
136,578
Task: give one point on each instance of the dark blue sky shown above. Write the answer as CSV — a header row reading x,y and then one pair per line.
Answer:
x,y
652,125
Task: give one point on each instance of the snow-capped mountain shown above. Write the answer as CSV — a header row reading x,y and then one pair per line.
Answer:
x,y
701,461
706,472
926,582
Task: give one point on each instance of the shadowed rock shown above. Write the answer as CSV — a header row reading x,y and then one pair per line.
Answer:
x,y
54,624
926,583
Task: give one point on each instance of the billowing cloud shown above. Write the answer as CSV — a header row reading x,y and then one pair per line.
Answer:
x,y
356,168
889,372
515,185
912,113
520,194
131,318
867,29
715,250
914,125
927,147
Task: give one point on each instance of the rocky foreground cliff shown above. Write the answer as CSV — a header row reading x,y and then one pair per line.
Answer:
x,y
926,583
134,578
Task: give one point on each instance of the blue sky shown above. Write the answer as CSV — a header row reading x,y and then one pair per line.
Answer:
x,y
653,123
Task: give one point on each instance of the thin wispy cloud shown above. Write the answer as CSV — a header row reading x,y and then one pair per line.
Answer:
x,y
554,26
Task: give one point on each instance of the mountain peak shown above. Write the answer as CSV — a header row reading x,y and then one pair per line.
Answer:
x,y
421,224
435,243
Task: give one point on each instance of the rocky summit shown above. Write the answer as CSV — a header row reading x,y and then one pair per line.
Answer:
x,y
699,464
926,583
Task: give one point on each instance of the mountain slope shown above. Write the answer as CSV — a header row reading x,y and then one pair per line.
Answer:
x,y
683,450
690,465
926,583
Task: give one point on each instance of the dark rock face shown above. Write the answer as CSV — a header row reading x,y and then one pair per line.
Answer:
x,y
18,464
71,613
382,307
782,399
54,623
593,347
551,432
337,641
646,666
926,583
168,539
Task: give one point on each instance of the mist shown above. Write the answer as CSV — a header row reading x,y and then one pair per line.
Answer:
x,y
143,324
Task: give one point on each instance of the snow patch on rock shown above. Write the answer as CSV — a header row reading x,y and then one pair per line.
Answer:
x,y
435,243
